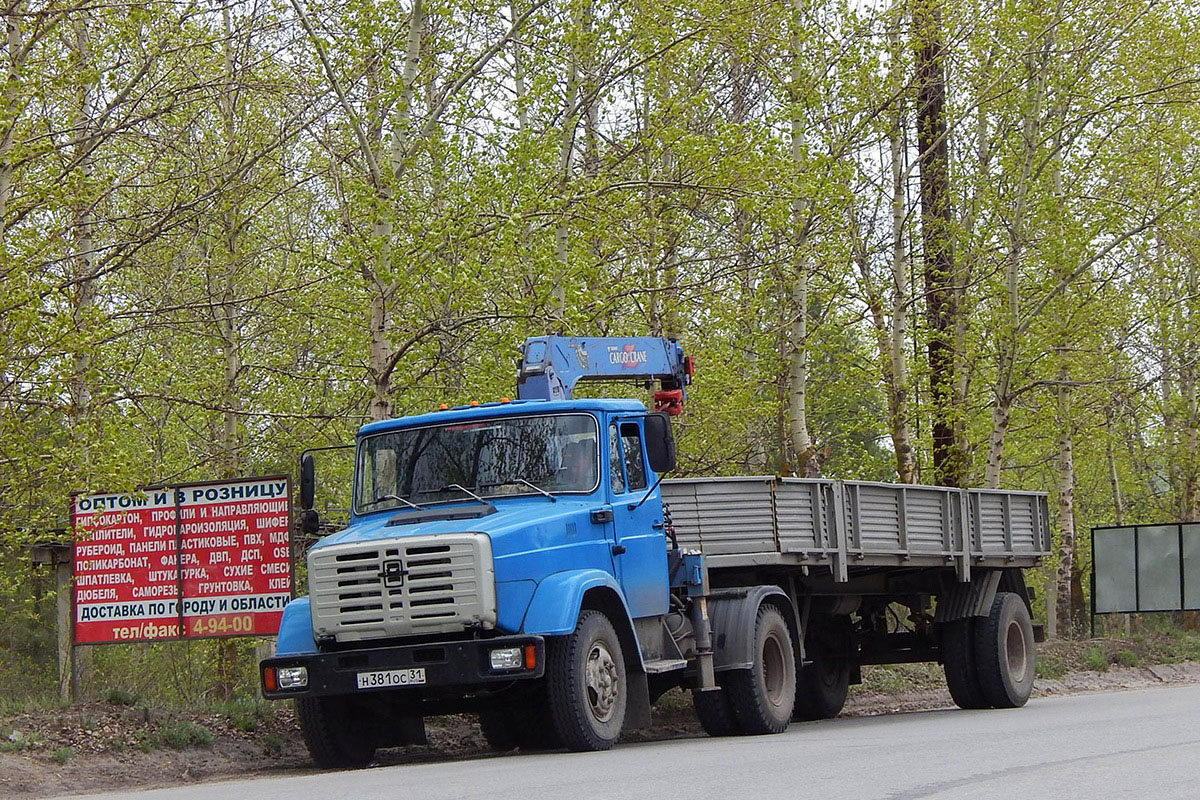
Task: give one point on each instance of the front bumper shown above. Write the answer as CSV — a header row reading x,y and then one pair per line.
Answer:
x,y
445,664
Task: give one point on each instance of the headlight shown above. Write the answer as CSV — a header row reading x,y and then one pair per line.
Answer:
x,y
292,677
503,658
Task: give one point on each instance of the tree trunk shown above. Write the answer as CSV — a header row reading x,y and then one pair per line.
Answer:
x,y
1114,479
566,157
937,231
14,46
896,371
802,448
79,413
226,313
1067,607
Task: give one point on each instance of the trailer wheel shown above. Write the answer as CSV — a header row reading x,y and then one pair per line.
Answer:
x,y
586,684
958,662
715,712
1004,652
763,696
336,734
822,686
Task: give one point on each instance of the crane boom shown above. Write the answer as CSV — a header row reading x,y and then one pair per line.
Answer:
x,y
551,366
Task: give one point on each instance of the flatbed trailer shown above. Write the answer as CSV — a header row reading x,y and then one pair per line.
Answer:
x,y
841,528
853,556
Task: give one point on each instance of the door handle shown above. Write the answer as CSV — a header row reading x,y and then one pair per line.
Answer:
x,y
658,526
618,549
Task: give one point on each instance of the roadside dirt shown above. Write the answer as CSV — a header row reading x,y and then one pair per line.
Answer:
x,y
101,746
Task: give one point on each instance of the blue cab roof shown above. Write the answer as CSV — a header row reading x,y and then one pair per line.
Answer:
x,y
511,408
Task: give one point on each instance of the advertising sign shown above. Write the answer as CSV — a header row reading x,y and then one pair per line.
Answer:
x,y
189,561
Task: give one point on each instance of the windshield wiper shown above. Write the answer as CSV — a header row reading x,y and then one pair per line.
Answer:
x,y
379,500
465,490
536,488
512,481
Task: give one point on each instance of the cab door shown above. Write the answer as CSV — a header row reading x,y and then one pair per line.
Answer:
x,y
640,547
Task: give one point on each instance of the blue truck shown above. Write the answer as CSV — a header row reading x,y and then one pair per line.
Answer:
x,y
527,562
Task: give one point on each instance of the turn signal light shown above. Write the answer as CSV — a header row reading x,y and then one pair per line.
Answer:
x,y
443,407
530,656
269,679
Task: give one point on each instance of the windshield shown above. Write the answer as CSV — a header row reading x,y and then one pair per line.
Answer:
x,y
489,458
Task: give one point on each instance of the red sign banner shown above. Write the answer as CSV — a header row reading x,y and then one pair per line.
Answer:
x,y
190,561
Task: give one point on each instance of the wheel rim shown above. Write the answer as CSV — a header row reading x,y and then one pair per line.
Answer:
x,y
600,681
1014,646
774,668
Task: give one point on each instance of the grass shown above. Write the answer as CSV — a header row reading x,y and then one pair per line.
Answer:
x,y
245,715
1095,659
15,741
12,704
62,755
1125,657
896,678
120,697
1051,666
182,734
272,744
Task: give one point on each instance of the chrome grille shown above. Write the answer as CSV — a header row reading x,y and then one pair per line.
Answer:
x,y
400,587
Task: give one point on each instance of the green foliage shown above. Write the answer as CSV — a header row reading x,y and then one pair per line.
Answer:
x,y
120,697
183,734
1125,658
62,755
1051,666
1095,659
272,744
245,714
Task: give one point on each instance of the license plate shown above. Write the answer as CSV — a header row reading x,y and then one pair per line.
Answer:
x,y
387,678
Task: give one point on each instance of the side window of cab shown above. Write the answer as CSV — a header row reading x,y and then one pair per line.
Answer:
x,y
635,461
615,471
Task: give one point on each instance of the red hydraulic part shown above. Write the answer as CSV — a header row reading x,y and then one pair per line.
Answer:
x,y
669,401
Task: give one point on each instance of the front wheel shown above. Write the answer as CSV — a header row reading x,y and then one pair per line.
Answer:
x,y
586,684
337,735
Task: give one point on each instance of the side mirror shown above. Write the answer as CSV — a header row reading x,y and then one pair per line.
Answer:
x,y
310,521
308,481
660,443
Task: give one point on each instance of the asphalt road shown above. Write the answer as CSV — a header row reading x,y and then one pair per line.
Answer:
x,y
1128,745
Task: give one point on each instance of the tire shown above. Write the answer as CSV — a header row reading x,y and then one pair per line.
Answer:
x,y
763,696
958,662
1004,652
519,718
336,734
586,684
822,686
497,728
715,712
